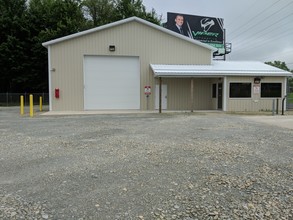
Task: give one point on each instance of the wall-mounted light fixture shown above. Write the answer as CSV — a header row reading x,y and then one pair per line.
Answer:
x,y
112,48
257,80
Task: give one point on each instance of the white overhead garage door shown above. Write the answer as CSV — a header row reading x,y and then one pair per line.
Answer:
x,y
111,82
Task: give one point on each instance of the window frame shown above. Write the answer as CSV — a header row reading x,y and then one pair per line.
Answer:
x,y
270,97
246,82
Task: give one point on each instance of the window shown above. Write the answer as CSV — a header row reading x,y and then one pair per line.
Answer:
x,y
240,90
214,91
271,90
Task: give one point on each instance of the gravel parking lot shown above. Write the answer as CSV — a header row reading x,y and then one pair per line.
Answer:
x,y
144,166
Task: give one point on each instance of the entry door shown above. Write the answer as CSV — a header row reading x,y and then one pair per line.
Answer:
x,y
164,96
220,95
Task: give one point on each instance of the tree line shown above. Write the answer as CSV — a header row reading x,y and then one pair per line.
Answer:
x,y
283,66
26,24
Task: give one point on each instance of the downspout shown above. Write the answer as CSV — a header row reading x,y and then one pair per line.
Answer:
x,y
285,95
283,104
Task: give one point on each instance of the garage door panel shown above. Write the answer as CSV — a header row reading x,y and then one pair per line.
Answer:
x,y
111,82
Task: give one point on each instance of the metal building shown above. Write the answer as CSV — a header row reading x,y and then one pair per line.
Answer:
x,y
117,65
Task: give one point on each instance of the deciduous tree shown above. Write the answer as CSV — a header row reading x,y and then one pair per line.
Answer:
x,y
99,12
129,8
283,66
26,24
279,64
14,33
50,19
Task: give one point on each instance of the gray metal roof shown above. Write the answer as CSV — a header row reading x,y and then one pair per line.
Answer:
x,y
127,20
217,69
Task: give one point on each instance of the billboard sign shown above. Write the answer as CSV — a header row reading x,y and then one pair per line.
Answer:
x,y
208,30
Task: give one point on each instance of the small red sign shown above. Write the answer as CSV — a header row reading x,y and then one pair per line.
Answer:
x,y
147,90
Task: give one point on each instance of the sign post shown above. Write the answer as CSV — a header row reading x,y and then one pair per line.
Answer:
x,y
147,92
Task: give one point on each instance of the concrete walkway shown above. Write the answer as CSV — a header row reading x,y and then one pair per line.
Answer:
x,y
284,121
101,112
111,112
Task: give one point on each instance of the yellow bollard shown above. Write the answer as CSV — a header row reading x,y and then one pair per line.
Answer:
x,y
41,103
31,106
21,105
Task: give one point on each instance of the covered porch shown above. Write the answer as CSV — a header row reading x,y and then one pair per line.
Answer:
x,y
181,87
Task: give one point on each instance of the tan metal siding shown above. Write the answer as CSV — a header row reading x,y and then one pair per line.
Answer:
x,y
130,39
255,103
179,93
202,94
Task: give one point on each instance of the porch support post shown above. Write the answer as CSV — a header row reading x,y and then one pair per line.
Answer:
x,y
160,95
191,95
224,88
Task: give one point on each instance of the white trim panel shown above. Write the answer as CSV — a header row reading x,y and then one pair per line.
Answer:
x,y
50,78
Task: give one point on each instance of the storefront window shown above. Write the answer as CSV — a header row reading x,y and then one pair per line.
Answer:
x,y
271,90
240,90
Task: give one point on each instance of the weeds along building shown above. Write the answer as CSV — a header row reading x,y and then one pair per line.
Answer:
x,y
134,64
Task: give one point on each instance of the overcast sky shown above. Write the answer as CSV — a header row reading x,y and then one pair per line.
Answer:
x,y
259,30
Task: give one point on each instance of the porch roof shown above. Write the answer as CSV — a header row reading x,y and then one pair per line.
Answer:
x,y
218,69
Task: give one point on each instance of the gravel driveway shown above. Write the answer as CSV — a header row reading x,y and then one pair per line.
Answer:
x,y
144,166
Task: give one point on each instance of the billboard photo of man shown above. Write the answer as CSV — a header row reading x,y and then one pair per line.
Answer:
x,y
178,25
